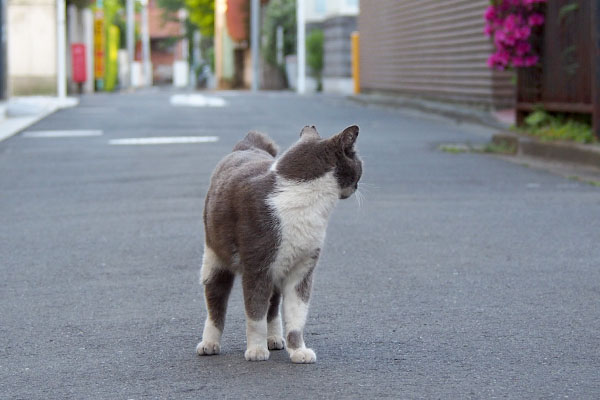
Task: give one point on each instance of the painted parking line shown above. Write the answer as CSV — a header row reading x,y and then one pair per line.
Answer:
x,y
63,133
164,140
196,100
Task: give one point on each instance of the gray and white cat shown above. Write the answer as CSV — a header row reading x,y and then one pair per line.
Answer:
x,y
265,218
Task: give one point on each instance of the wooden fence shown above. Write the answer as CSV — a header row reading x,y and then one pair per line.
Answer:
x,y
568,79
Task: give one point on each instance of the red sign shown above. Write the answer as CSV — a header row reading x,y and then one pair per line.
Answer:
x,y
78,62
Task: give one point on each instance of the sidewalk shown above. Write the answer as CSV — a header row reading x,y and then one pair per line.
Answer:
x,y
19,113
586,155
454,111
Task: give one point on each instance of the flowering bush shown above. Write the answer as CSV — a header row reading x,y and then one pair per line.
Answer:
x,y
510,23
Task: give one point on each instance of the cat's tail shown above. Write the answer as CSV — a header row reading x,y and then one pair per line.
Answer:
x,y
257,140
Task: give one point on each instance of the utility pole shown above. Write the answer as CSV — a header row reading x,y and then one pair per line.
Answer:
x,y
301,46
61,50
279,45
254,41
3,65
146,45
130,40
182,14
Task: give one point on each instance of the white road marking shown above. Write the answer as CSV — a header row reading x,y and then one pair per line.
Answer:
x,y
196,100
164,140
63,133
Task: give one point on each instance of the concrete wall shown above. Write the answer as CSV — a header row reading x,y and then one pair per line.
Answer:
x,y
432,49
31,47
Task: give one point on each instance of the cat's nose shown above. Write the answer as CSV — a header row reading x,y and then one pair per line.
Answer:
x,y
356,185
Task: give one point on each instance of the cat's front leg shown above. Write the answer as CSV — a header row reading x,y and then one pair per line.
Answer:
x,y
296,295
275,339
257,288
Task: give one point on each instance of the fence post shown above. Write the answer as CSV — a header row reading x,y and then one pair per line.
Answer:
x,y
595,21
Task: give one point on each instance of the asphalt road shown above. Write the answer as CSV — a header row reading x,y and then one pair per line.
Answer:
x,y
460,275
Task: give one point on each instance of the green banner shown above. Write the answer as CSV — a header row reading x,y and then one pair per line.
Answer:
x,y
112,65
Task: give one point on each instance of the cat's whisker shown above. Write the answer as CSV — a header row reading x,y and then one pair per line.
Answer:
x,y
359,198
369,185
363,190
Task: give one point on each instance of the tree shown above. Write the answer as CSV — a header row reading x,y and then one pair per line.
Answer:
x,y
200,12
314,54
279,13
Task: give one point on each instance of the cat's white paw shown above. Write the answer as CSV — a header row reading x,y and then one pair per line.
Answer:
x,y
303,356
257,353
275,342
206,348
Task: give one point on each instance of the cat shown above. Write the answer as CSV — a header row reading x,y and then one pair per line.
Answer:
x,y
265,218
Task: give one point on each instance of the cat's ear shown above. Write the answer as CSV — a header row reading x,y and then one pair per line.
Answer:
x,y
348,136
309,132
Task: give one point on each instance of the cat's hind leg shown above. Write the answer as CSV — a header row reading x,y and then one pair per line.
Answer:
x,y
257,288
217,283
275,339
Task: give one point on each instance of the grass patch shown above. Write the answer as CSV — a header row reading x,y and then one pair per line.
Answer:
x,y
551,127
455,148
499,148
492,148
583,180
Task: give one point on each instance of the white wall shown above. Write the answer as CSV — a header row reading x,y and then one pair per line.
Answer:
x,y
31,43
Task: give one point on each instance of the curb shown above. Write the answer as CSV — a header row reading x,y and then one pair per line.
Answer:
x,y
448,110
574,153
10,126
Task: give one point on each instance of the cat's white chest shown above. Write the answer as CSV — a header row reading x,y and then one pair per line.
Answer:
x,y
303,210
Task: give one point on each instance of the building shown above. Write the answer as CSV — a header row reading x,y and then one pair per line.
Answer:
x,y
337,19
233,61
165,47
431,49
31,47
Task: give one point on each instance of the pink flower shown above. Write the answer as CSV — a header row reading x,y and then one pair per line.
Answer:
x,y
518,62
488,30
510,24
522,48
536,19
531,60
523,32
490,13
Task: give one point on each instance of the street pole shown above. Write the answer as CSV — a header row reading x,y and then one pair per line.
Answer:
x,y
279,45
196,54
146,45
301,46
3,65
61,50
130,40
184,41
254,42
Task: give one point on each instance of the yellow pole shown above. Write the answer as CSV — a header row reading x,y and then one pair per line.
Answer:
x,y
356,62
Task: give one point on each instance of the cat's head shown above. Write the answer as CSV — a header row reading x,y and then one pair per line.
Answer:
x,y
313,157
